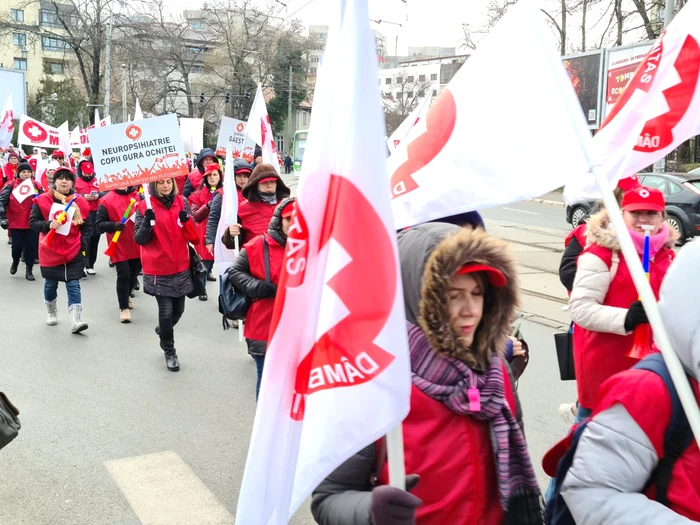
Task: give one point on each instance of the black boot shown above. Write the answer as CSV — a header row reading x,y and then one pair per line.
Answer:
x,y
171,361
204,297
29,275
13,268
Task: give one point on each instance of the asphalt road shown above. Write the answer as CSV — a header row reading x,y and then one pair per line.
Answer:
x,y
110,436
530,214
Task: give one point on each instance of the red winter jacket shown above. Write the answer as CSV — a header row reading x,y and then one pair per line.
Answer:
x,y
116,204
259,317
64,248
18,213
454,458
180,182
85,187
9,173
255,218
167,252
200,211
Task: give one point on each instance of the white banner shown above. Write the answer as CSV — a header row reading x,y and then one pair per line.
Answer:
x,y
232,131
192,134
130,154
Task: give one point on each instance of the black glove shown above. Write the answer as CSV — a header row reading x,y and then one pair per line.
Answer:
x,y
635,316
266,290
119,226
392,506
149,215
184,217
4,224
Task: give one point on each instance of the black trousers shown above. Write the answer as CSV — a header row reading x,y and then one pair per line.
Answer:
x,y
170,310
209,265
93,244
127,274
24,242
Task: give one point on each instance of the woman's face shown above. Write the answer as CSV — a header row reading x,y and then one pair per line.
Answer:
x,y
465,304
242,179
63,184
634,220
13,160
286,221
213,179
25,174
164,187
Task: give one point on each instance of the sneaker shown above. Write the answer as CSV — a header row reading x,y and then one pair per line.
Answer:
x,y
125,316
90,271
85,274
567,411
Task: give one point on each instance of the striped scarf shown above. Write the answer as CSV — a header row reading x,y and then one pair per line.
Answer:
x,y
449,381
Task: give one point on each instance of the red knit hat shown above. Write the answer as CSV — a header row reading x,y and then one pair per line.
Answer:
x,y
643,198
629,183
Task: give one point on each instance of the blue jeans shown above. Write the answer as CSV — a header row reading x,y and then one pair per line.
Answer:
x,y
259,363
581,414
72,289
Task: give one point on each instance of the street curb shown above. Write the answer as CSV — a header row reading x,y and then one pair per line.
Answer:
x,y
556,204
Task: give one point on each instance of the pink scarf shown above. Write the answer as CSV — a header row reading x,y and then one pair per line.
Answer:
x,y
656,242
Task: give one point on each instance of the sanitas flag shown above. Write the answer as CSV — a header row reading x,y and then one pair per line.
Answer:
x,y
659,109
488,142
24,190
337,371
259,129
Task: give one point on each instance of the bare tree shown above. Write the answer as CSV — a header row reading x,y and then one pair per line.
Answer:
x,y
400,102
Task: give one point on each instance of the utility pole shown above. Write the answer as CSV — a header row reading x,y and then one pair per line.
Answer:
x,y
123,92
668,15
290,128
108,68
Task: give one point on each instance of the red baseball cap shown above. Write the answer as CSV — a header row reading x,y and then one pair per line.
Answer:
x,y
629,183
267,179
87,168
288,210
643,198
494,276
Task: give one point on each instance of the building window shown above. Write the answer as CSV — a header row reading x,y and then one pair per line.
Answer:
x,y
196,24
421,78
303,118
433,76
410,79
19,39
196,69
399,96
195,50
399,80
49,18
388,81
312,71
280,142
17,15
54,68
53,44
20,63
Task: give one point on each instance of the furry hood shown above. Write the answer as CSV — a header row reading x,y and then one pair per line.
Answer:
x,y
468,246
262,171
599,231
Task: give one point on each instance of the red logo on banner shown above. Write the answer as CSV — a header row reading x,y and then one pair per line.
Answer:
x,y
57,215
35,132
346,354
133,132
440,123
240,127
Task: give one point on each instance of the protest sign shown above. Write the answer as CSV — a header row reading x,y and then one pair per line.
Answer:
x,y
232,132
131,153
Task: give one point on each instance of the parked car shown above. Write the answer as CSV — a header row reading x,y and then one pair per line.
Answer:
x,y
695,172
682,193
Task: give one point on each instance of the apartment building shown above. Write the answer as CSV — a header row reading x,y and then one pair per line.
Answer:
x,y
412,77
319,36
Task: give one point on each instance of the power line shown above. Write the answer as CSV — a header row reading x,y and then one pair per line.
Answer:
x,y
295,12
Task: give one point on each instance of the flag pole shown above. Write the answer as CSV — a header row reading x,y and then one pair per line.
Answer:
x,y
395,457
651,307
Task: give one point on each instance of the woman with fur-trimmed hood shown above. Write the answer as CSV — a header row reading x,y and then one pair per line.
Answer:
x,y
604,300
462,439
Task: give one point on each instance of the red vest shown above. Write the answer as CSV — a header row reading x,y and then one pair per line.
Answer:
x,y
85,188
599,355
259,317
453,456
201,198
180,181
255,218
116,204
580,233
167,252
64,248
195,178
240,196
18,213
9,172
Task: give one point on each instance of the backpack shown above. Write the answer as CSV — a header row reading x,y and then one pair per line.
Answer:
x,y
677,438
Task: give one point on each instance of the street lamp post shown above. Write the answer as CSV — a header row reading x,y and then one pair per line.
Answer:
x,y
123,92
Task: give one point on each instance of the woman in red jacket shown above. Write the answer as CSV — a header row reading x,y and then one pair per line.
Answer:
x,y
163,232
260,257
126,254
63,259
86,184
462,438
263,192
9,171
201,202
16,200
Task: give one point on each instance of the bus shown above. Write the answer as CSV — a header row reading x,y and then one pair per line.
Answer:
x,y
298,147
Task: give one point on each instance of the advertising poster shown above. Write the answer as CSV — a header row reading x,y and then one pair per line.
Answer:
x,y
585,74
232,132
621,65
134,153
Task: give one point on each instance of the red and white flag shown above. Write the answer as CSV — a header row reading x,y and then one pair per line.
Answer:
x,y
260,130
337,371
24,190
659,109
223,256
488,141
7,127
418,113
35,133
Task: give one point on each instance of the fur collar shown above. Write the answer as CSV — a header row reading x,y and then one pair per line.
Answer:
x,y
599,231
452,253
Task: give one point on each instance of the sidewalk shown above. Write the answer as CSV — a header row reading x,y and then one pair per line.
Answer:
x,y
553,198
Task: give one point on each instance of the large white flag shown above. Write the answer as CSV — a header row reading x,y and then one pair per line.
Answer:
x,y
487,143
223,256
337,373
7,127
260,130
659,109
418,113
64,144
